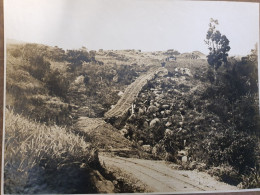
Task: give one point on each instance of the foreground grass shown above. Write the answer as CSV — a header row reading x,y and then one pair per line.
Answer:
x,y
45,159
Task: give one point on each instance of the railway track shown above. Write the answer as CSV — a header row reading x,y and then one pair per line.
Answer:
x,y
131,93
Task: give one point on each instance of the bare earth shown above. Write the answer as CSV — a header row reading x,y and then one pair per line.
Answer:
x,y
159,176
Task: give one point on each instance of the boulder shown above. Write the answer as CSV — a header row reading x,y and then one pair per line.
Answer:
x,y
165,119
145,124
184,159
168,132
123,132
168,124
120,93
193,165
152,109
79,80
140,142
165,106
157,104
168,112
147,148
154,122
140,111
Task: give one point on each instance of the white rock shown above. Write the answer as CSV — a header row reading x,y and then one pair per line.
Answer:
x,y
168,132
168,124
120,93
152,109
154,122
147,148
165,106
123,132
79,79
184,159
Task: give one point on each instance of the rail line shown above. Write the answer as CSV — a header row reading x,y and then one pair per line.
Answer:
x,y
131,93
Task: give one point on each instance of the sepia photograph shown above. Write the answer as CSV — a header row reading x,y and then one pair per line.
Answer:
x,y
130,96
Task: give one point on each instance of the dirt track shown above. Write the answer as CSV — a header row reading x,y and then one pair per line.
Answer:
x,y
131,93
161,177
157,176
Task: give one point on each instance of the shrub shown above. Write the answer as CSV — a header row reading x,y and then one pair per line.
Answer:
x,y
38,66
226,173
251,180
236,149
16,52
57,84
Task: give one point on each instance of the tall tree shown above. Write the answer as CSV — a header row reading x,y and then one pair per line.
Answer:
x,y
218,46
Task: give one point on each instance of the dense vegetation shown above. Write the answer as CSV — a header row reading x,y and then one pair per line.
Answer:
x,y
46,87
214,121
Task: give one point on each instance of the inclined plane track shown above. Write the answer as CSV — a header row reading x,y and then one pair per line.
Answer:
x,y
131,93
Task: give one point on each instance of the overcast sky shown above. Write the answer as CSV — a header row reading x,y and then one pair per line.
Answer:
x,y
131,24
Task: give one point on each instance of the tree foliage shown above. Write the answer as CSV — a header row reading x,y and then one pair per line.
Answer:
x,y
218,45
77,57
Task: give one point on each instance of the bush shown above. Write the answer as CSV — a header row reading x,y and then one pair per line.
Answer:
x,y
251,180
57,84
226,173
38,66
236,149
16,52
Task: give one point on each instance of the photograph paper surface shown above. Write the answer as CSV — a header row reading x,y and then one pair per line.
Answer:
x,y
140,96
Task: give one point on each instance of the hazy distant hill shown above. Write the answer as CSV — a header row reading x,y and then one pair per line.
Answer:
x,y
13,41
196,54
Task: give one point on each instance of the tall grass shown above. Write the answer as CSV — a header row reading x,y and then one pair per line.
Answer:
x,y
33,150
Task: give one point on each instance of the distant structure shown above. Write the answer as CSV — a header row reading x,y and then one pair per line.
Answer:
x,y
171,58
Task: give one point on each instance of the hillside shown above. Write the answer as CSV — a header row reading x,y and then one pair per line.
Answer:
x,y
124,103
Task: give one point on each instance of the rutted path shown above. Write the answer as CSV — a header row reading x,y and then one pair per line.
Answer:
x,y
131,93
160,177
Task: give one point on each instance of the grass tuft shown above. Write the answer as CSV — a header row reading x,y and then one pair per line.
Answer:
x,y
33,150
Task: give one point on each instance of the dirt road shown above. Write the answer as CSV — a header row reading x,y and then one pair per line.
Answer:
x,y
161,177
131,93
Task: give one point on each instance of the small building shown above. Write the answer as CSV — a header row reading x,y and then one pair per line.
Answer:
x,y
171,58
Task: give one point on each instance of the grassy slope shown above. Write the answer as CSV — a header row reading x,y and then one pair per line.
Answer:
x,y
42,158
29,95
36,157
48,159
